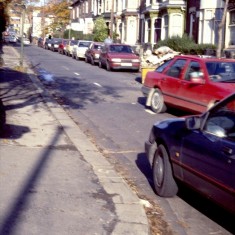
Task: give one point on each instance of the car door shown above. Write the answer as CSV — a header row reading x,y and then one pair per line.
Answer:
x,y
194,96
170,80
208,156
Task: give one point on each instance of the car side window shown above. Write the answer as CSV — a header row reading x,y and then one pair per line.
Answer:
x,y
221,121
163,66
176,68
194,70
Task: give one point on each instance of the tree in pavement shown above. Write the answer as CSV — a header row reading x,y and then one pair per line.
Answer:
x,y
100,30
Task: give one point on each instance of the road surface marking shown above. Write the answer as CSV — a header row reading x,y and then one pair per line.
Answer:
x,y
65,67
77,74
97,84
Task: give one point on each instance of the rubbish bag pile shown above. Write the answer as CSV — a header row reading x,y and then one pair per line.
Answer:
x,y
153,59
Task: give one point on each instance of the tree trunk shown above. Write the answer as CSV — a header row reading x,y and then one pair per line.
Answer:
x,y
220,30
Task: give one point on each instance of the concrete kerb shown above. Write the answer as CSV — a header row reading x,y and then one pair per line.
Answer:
x,y
130,211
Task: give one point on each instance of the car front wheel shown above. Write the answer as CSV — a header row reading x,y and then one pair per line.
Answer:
x,y
92,61
100,64
157,102
164,182
108,67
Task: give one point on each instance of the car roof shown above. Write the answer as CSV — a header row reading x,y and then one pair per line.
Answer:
x,y
205,59
84,41
117,44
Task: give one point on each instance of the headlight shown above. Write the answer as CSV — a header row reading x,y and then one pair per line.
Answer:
x,y
135,60
116,60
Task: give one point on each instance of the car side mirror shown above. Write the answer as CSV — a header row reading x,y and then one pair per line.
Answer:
x,y
193,123
197,78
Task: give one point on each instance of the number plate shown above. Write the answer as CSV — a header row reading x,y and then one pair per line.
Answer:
x,y
126,64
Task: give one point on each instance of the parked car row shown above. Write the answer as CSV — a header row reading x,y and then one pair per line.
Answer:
x,y
111,56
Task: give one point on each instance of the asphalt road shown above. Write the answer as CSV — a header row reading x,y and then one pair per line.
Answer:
x,y
109,108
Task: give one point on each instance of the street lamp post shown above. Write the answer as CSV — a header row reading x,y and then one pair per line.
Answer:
x,y
70,8
112,19
69,31
22,32
22,37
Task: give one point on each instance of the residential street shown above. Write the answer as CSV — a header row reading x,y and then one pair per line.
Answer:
x,y
108,108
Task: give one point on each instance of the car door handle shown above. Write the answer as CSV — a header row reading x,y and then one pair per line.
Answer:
x,y
227,150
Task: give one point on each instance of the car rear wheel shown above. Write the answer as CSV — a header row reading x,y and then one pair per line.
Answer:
x,y
157,102
164,182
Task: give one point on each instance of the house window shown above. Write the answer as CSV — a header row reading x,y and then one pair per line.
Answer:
x,y
86,7
232,27
123,4
232,18
165,27
157,29
77,14
177,25
149,29
218,18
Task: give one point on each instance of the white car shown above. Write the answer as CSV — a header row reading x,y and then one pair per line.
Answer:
x,y
12,38
80,48
26,41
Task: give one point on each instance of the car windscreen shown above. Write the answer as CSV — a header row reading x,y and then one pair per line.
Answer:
x,y
163,66
120,49
73,42
221,71
97,47
84,44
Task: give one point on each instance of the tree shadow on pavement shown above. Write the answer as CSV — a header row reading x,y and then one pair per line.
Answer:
x,y
16,91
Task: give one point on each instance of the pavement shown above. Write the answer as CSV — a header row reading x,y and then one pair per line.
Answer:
x,y
53,179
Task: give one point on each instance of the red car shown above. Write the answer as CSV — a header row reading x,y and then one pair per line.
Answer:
x,y
190,83
92,54
62,46
118,56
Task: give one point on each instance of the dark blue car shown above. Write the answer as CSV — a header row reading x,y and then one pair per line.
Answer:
x,y
197,150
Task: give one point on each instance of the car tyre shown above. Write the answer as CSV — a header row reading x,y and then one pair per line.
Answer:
x,y
108,67
157,102
100,64
92,61
164,182
86,59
